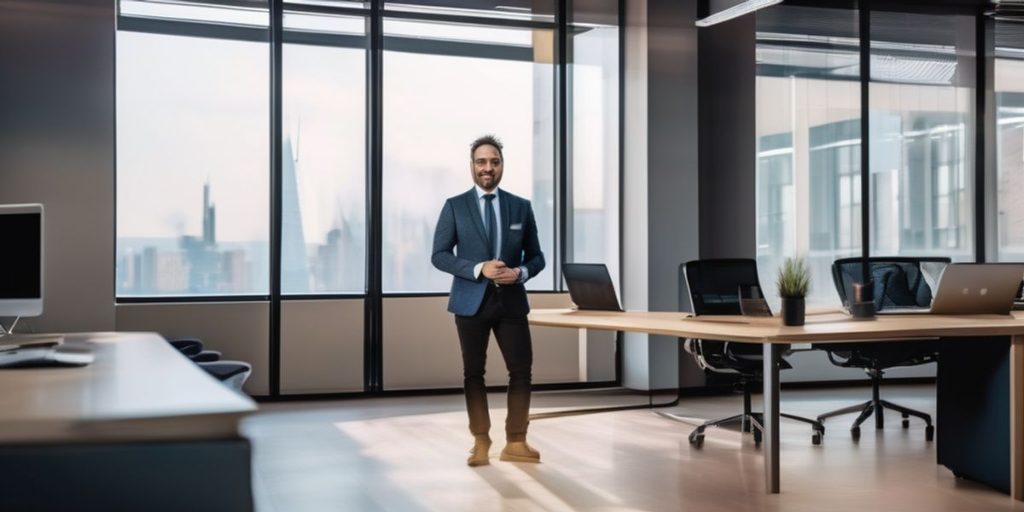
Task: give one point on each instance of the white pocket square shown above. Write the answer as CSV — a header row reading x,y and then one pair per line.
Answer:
x,y
516,226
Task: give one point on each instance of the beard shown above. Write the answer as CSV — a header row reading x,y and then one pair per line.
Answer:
x,y
487,181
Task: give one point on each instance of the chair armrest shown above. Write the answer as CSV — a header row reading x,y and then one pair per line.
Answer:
x,y
187,346
223,370
692,346
206,356
695,347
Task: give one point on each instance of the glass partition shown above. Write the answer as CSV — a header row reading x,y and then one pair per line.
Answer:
x,y
1009,96
922,135
808,134
440,94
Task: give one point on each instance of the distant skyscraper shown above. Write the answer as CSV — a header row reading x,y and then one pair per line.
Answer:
x,y
148,270
209,217
199,254
294,263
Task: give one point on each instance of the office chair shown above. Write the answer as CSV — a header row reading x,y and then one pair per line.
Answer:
x,y
192,348
232,373
898,282
714,290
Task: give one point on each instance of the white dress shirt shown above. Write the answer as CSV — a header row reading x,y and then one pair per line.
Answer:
x,y
523,274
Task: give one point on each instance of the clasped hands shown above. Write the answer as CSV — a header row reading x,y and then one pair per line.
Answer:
x,y
497,271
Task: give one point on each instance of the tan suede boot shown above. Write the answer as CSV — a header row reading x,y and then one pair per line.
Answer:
x,y
478,454
519,451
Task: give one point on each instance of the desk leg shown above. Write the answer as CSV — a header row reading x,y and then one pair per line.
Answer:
x,y
770,443
1017,418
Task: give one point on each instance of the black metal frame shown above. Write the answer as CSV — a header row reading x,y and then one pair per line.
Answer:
x,y
373,323
276,180
375,43
562,119
983,34
864,35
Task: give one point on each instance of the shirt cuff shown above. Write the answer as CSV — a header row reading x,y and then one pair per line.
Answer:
x,y
478,269
523,275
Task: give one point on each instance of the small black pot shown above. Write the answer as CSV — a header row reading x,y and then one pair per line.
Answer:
x,y
793,311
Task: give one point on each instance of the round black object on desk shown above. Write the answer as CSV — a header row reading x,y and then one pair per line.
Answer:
x,y
862,310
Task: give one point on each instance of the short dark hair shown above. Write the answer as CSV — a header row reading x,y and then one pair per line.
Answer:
x,y
486,140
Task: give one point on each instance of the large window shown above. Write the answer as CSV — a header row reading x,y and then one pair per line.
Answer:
x,y
444,86
921,125
192,169
1009,95
317,150
194,199
594,133
922,119
323,168
808,132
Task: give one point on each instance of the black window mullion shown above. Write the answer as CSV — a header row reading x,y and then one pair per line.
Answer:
x,y
864,30
276,120
984,49
373,342
561,142
619,341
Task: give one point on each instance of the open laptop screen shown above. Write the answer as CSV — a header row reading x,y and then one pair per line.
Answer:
x,y
590,286
977,288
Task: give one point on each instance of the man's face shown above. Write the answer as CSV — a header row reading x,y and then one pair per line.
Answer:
x,y
486,167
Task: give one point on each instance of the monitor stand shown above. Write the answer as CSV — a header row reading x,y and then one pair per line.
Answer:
x,y
4,331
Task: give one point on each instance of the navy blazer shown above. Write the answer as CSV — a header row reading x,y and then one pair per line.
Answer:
x,y
461,225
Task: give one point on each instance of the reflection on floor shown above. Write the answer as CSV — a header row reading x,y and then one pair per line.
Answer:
x,y
408,454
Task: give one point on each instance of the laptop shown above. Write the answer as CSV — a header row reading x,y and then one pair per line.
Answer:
x,y
590,286
971,289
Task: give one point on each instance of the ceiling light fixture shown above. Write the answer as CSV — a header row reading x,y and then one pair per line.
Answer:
x,y
735,11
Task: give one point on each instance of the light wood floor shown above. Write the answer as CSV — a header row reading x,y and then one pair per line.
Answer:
x,y
408,454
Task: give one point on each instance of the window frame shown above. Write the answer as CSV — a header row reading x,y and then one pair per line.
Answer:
x,y
375,43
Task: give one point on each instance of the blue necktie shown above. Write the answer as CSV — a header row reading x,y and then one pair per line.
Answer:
x,y
492,225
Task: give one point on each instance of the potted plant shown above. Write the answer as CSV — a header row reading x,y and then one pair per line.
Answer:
x,y
794,281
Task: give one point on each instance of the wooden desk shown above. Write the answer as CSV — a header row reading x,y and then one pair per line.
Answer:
x,y
820,328
140,411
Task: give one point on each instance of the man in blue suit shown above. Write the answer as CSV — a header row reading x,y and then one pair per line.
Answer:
x,y
498,250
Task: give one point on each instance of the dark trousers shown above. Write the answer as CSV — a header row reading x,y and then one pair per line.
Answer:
x,y
513,335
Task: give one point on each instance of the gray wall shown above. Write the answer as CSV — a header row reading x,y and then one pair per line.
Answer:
x,y
661,196
635,354
240,331
57,148
728,140
421,347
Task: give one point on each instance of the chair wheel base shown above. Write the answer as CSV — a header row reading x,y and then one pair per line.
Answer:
x,y
757,436
929,433
697,438
906,423
855,433
816,438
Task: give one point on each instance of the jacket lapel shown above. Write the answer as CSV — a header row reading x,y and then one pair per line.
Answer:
x,y
473,203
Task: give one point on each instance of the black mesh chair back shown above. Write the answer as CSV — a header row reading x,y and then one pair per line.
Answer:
x,y
714,290
898,281
714,284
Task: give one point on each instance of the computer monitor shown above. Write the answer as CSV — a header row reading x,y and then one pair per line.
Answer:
x,y
21,260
